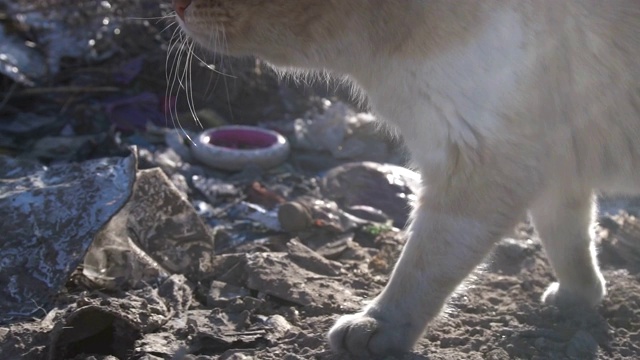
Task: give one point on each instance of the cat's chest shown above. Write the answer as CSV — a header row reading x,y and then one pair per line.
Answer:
x,y
460,95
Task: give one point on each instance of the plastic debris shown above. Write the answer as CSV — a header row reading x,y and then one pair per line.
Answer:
x,y
61,29
65,206
135,112
236,147
129,70
268,218
342,132
214,190
391,189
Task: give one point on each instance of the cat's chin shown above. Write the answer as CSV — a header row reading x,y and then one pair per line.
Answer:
x,y
210,42
220,47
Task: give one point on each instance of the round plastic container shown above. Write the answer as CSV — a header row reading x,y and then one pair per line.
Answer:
x,y
234,147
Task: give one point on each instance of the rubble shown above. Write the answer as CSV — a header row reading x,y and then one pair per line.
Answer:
x,y
112,253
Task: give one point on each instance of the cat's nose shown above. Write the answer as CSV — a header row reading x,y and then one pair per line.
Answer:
x,y
180,6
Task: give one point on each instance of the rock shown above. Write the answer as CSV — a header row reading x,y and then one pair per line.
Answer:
x,y
582,346
294,217
307,212
497,354
220,293
509,255
277,275
123,317
156,234
389,188
311,260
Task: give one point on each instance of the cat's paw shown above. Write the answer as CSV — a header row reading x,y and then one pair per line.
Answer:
x,y
365,336
588,297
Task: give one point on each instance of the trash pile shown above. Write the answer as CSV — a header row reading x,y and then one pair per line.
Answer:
x,y
119,240
113,229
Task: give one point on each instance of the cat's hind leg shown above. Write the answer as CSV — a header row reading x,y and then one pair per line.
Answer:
x,y
562,219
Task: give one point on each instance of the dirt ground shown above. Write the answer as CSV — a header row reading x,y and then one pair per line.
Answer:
x,y
497,315
276,297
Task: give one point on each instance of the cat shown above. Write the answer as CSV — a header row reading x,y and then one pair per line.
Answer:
x,y
508,107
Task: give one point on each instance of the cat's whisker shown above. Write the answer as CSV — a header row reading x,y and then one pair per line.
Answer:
x,y
181,71
169,17
169,72
182,78
189,82
174,44
172,23
175,78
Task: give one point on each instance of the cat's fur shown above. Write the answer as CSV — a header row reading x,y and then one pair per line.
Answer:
x,y
507,106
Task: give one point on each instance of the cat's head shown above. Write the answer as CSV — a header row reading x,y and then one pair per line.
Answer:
x,y
275,29
294,32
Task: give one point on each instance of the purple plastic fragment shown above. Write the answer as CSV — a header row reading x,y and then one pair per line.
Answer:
x,y
129,70
135,112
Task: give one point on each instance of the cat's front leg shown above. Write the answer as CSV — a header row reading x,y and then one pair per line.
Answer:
x,y
454,228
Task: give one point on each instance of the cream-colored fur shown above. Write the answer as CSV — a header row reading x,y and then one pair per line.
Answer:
x,y
507,106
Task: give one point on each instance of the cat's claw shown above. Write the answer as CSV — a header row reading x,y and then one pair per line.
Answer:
x,y
366,337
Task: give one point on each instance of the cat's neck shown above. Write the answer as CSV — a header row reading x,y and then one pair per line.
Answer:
x,y
372,43
355,40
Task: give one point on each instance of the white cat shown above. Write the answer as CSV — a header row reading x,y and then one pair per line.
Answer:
x,y
507,106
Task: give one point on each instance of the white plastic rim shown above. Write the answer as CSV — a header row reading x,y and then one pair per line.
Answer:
x,y
262,147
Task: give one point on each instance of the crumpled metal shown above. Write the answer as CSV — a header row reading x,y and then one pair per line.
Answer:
x,y
57,29
48,218
20,62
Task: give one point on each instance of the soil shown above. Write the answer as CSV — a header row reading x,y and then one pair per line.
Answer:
x,y
276,298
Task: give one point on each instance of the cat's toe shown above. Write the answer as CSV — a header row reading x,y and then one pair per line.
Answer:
x,y
586,297
364,336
